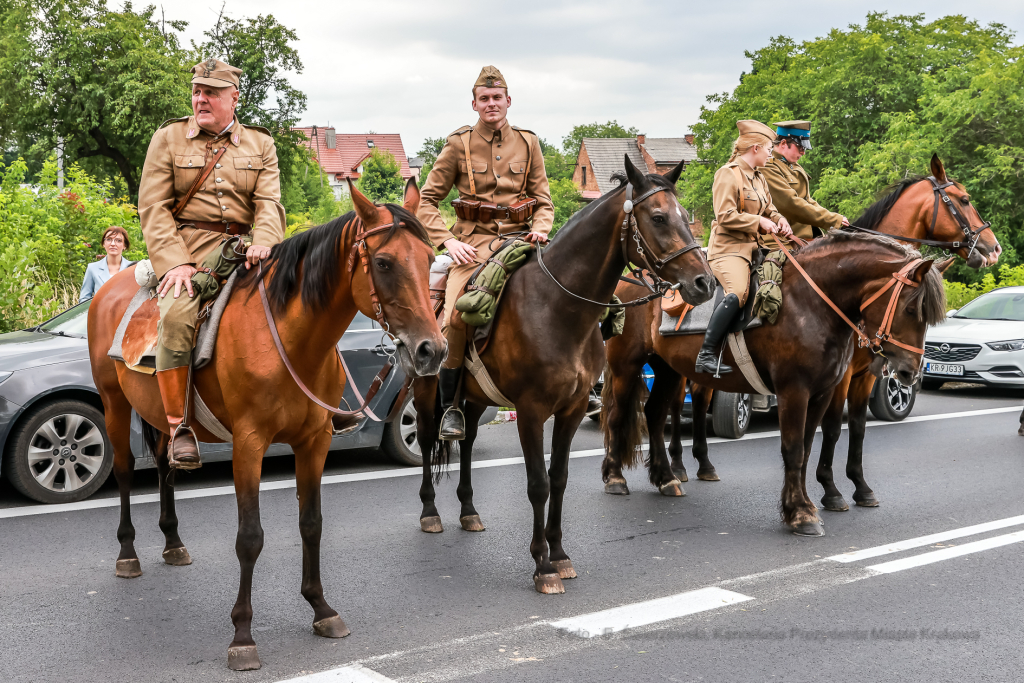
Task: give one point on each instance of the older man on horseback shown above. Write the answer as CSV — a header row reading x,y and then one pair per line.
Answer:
x,y
498,170
206,176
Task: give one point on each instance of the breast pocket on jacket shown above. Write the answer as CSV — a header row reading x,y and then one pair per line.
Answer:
x,y
517,166
187,168
247,169
478,166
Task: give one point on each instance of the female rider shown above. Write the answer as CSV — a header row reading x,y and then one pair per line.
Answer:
x,y
743,210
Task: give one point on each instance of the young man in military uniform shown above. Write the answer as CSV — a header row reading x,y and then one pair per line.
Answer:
x,y
790,186
494,166
241,195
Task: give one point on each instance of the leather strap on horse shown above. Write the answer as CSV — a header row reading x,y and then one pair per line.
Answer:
x,y
200,179
359,247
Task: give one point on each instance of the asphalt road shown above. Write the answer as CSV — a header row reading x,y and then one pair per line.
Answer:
x,y
739,598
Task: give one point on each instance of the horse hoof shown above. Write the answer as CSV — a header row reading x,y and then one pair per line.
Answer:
x,y
548,584
177,557
834,503
673,489
470,523
866,501
708,475
431,525
128,569
680,474
813,528
331,627
243,658
565,569
617,487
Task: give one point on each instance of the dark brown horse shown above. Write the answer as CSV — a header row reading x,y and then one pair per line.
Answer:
x,y
249,389
545,352
802,357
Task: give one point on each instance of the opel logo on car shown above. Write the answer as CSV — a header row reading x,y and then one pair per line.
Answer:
x,y
944,348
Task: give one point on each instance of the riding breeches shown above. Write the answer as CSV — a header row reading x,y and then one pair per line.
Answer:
x,y
458,276
177,331
733,272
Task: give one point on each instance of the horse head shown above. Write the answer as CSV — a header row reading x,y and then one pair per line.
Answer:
x,y
670,249
986,251
391,279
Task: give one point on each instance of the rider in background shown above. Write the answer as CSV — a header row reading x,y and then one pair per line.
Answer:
x,y
790,186
743,210
498,170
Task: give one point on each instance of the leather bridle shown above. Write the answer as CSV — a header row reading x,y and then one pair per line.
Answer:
x,y
657,286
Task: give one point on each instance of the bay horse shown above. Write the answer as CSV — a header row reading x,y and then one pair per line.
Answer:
x,y
250,390
545,352
802,357
910,209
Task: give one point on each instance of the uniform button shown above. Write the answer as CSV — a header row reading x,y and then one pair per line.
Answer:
x,y
497,158
220,194
217,166
224,221
219,180
250,165
224,208
498,175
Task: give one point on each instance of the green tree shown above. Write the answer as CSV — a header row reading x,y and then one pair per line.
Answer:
x,y
557,165
381,178
428,152
572,142
567,200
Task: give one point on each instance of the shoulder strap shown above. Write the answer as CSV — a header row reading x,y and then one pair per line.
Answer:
x,y
469,160
529,163
739,177
200,179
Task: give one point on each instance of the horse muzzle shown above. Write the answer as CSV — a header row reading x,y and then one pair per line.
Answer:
x,y
421,358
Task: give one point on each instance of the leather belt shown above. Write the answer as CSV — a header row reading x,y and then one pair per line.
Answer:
x,y
225,228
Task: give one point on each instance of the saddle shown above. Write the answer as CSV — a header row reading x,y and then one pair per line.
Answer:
x,y
679,317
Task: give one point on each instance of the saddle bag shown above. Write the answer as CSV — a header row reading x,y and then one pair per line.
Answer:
x,y
217,268
466,209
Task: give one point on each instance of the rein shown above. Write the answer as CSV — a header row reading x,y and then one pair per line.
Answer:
x,y
884,332
657,286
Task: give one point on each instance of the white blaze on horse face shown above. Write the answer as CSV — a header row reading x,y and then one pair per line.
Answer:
x,y
679,211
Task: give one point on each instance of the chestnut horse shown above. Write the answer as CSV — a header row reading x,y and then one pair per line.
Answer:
x,y
247,386
545,351
802,357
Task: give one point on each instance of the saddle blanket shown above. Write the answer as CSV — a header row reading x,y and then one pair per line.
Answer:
x,y
694,320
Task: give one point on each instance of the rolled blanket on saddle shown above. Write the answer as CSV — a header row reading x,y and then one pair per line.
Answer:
x,y
480,301
768,298
613,322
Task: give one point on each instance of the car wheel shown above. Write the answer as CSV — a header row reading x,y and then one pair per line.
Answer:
x,y
399,441
891,401
59,453
730,414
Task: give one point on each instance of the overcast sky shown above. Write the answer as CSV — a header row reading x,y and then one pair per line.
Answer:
x,y
407,66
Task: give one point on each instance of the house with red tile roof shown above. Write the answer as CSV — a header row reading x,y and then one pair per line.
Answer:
x,y
341,156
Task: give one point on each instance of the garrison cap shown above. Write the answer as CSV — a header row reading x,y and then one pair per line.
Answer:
x,y
756,127
216,73
800,131
490,77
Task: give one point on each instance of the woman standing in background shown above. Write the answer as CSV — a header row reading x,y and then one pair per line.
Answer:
x,y
115,241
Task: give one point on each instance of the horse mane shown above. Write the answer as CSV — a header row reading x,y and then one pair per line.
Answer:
x,y
317,252
874,214
930,297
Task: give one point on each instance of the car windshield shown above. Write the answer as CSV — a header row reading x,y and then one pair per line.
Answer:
x,y
71,322
995,306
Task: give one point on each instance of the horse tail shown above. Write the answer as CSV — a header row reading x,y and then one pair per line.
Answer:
x,y
631,427
440,452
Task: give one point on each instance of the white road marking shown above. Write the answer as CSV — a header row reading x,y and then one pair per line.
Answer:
x,y
96,503
650,612
921,541
948,553
353,673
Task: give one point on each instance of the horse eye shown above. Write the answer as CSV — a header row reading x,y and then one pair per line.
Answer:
x,y
658,218
966,201
382,264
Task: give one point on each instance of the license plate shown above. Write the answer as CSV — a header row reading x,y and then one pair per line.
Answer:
x,y
943,369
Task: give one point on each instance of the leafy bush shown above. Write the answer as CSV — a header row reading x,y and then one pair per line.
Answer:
x,y
958,294
381,179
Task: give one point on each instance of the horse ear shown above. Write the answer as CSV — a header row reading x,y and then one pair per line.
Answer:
x,y
412,197
674,174
943,265
365,209
632,173
938,171
922,270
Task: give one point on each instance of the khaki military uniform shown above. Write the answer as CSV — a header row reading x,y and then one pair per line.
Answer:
x,y
734,231
244,189
502,160
791,193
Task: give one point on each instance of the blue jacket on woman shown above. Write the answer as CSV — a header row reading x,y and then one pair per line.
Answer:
x,y
95,275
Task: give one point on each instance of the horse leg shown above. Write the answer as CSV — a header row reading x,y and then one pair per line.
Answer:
x,y
247,462
538,487
675,446
425,400
815,410
118,417
831,428
621,425
566,425
175,553
700,401
468,517
797,510
666,387
309,470
860,394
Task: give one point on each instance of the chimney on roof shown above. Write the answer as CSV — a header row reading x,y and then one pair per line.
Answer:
x,y
689,138
641,139
332,139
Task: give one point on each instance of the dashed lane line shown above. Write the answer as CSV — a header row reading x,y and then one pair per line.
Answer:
x,y
947,553
32,510
346,674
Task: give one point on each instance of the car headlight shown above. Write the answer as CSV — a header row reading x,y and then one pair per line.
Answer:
x,y
1011,345
4,376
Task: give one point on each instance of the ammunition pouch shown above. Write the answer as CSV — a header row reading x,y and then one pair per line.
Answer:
x,y
485,212
466,209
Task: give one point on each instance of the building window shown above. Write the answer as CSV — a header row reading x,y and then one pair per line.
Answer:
x,y
584,169
369,143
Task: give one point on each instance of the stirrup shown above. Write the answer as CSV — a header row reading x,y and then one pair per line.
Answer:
x,y
452,437
176,464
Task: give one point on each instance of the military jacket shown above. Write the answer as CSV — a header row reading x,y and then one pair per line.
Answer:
x,y
734,230
501,161
791,192
245,187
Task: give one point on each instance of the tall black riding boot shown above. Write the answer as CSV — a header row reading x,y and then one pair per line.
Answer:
x,y
718,326
453,422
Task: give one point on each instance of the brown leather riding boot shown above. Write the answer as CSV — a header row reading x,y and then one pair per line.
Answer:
x,y
183,451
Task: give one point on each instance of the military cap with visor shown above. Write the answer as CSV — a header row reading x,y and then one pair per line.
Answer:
x,y
490,77
216,73
749,126
797,132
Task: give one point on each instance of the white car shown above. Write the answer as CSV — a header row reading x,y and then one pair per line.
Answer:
x,y
983,342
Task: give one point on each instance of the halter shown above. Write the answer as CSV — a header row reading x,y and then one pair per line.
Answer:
x,y
658,287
